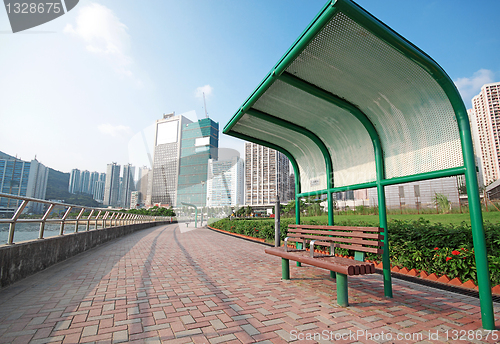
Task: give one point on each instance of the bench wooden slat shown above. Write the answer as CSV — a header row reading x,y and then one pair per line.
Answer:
x,y
347,228
348,247
338,239
338,264
337,233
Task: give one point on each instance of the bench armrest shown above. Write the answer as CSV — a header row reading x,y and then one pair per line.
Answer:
x,y
311,248
294,240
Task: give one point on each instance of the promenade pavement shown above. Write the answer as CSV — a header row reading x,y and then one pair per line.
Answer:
x,y
172,284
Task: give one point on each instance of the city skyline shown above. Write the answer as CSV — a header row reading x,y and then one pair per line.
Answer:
x,y
113,96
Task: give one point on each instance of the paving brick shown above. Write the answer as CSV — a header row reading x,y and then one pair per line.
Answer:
x,y
120,336
252,331
90,330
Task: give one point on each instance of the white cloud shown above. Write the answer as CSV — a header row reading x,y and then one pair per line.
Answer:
x,y
104,35
114,130
470,87
207,89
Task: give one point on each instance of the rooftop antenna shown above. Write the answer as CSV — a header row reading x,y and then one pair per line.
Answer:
x,y
205,104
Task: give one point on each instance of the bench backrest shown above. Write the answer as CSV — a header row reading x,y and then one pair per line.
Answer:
x,y
361,239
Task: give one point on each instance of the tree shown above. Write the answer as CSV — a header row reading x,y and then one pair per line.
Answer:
x,y
240,212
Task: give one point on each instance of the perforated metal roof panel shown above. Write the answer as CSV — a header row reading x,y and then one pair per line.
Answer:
x,y
349,81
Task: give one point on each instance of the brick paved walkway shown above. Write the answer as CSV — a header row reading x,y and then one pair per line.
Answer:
x,y
164,285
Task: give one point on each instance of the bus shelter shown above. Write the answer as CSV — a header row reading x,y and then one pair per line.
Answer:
x,y
354,105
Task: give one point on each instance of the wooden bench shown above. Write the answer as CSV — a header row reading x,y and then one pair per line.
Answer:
x,y
358,239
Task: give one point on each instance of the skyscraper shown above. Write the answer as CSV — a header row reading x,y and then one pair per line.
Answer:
x,y
74,181
182,150
485,120
112,185
167,155
266,174
94,177
200,143
85,182
225,184
127,185
99,185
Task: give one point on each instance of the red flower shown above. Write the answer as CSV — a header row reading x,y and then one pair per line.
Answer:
x,y
455,252
436,248
448,258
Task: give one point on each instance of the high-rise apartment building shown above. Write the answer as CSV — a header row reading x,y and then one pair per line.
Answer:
x,y
225,184
485,120
266,175
99,185
94,177
142,184
167,153
200,143
135,199
85,182
112,185
127,185
182,151
74,181
22,178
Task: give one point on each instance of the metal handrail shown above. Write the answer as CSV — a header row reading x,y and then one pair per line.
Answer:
x,y
100,218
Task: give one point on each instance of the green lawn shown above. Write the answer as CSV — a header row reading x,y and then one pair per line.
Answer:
x,y
492,216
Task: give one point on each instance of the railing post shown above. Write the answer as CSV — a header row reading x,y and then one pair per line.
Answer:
x,y
12,227
78,218
97,219
61,231
44,218
104,219
88,220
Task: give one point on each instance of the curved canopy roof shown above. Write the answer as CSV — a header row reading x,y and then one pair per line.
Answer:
x,y
354,100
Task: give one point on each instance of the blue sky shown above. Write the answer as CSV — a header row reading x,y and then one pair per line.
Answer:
x,y
85,89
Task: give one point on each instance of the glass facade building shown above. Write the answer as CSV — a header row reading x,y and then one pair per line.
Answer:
x,y
168,135
180,167
225,182
200,142
22,178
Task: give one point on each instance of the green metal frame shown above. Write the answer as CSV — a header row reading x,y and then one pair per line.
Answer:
x,y
418,57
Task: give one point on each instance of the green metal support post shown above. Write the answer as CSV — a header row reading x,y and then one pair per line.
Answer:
x,y
297,221
342,293
285,269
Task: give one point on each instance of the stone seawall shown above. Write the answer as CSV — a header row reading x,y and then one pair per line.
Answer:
x,y
26,258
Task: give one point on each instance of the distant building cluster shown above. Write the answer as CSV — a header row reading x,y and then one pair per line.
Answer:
x,y
85,182
116,188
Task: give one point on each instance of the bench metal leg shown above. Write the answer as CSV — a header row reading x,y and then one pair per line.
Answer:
x,y
342,296
332,274
285,269
299,247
